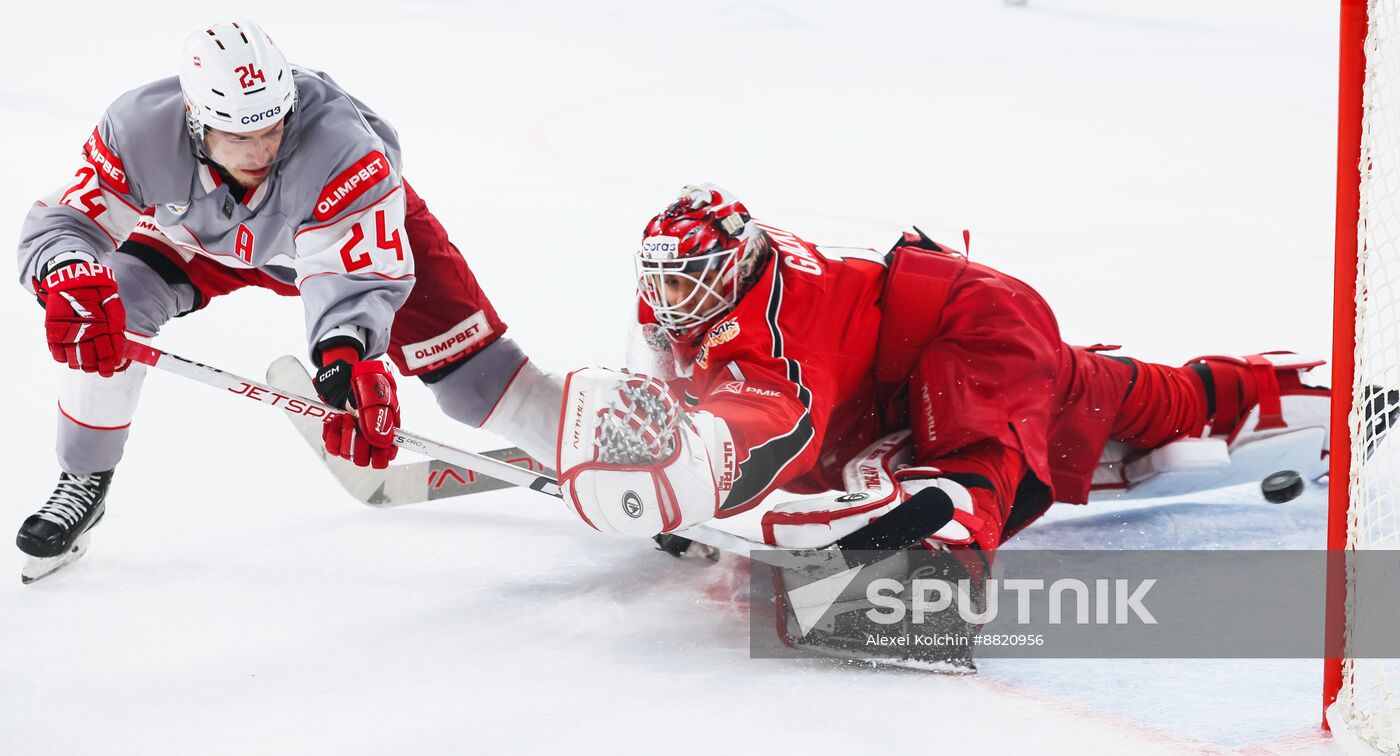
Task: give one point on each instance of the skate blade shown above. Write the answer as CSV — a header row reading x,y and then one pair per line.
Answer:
x,y
950,667
954,668
931,666
38,568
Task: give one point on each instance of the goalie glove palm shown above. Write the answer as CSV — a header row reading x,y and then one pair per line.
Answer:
x,y
630,463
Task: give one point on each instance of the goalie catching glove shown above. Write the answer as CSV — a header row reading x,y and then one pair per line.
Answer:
x,y
630,461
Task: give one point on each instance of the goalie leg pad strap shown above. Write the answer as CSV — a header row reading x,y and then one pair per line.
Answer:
x,y
1251,391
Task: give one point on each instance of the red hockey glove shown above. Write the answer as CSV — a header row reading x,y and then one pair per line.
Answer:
x,y
365,437
84,317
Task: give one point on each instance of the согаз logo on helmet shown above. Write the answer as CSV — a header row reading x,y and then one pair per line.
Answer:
x,y
269,113
661,247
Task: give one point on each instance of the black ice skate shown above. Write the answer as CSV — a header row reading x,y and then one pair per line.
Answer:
x,y
939,643
57,534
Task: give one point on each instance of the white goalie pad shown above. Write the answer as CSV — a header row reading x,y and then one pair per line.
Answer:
x,y
1190,465
871,491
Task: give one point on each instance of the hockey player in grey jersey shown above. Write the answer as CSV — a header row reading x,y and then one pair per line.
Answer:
x,y
248,171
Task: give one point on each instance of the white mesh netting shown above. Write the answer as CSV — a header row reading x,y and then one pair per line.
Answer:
x,y
1370,695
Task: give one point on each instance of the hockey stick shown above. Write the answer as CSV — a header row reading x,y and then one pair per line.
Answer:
x,y
299,405
399,484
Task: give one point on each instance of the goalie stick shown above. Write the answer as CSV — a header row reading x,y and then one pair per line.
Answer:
x,y
295,404
399,484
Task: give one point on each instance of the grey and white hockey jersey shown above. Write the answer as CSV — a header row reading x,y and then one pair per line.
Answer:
x,y
329,218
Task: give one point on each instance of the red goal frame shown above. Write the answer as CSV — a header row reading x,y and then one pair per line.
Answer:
x,y
1351,80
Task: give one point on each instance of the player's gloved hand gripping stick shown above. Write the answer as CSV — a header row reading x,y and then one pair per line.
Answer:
x,y
300,405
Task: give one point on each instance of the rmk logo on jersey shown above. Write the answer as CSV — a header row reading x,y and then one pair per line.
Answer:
x,y
722,333
249,76
740,388
729,387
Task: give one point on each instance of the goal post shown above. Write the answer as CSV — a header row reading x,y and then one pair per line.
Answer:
x,y
1351,83
1359,693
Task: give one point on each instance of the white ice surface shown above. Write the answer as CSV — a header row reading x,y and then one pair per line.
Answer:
x,y
1162,172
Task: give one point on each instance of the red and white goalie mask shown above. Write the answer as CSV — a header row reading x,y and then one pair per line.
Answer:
x,y
696,258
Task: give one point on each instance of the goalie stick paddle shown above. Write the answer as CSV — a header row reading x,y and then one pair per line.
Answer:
x,y
295,404
399,484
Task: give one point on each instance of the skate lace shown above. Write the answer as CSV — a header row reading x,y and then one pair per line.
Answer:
x,y
71,500
639,432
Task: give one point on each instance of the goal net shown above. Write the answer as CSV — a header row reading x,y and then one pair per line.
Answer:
x,y
1366,499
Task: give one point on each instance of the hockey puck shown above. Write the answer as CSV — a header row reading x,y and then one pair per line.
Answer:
x,y
1285,485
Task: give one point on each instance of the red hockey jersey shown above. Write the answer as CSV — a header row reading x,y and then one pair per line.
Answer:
x,y
789,369
815,363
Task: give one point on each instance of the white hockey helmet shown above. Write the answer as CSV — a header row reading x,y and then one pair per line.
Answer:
x,y
234,79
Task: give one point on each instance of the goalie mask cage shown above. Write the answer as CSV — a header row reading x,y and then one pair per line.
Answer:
x,y
1363,695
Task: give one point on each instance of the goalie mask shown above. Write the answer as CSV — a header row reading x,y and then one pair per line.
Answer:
x,y
697,259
